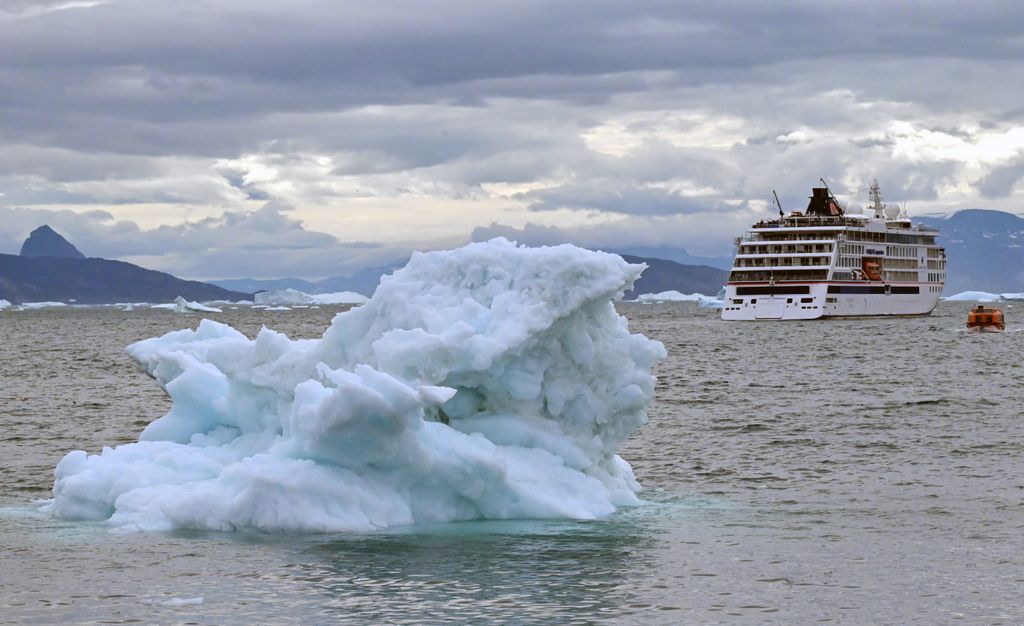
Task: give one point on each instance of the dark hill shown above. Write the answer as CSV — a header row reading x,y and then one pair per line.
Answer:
x,y
662,275
45,242
985,250
97,281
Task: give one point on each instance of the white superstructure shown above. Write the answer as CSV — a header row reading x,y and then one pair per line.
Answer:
x,y
827,262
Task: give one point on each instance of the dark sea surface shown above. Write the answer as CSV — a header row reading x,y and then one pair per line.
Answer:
x,y
838,471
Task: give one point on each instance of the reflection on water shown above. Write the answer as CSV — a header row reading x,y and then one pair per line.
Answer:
x,y
852,471
536,572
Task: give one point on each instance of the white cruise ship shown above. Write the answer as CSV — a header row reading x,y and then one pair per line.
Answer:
x,y
828,262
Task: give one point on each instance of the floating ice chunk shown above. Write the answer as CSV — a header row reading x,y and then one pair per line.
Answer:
x,y
42,305
705,302
974,296
4,304
339,297
294,296
488,382
282,296
181,305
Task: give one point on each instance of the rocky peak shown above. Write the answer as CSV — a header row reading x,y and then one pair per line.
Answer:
x,y
44,241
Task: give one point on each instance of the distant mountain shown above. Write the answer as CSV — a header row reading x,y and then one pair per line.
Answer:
x,y
985,250
51,269
364,281
45,242
660,275
663,275
252,285
679,255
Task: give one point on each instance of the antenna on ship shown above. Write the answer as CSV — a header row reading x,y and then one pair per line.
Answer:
x,y
778,204
875,193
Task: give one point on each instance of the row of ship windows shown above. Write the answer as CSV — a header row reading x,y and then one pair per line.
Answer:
x,y
901,264
796,290
850,235
783,262
785,248
925,240
936,278
903,251
786,274
892,275
900,276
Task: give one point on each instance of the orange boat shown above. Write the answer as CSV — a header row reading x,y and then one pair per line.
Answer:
x,y
985,319
872,269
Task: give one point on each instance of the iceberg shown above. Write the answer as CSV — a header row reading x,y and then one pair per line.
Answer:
x,y
489,382
294,296
974,296
5,304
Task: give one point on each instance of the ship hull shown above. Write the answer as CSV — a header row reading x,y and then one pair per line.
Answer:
x,y
816,300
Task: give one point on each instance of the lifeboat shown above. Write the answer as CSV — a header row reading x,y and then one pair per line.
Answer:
x,y
985,319
872,269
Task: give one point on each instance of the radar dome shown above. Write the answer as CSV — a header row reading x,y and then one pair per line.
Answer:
x,y
892,211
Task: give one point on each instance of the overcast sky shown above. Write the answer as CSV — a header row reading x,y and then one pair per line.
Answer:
x,y
228,139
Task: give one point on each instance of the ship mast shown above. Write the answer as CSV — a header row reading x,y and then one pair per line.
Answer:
x,y
875,193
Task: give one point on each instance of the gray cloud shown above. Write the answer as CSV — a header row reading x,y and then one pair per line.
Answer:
x,y
261,243
575,110
1000,181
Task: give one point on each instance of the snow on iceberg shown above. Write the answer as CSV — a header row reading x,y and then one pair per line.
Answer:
x,y
4,304
294,296
488,382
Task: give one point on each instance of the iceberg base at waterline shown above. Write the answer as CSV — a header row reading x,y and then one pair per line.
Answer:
x,y
488,382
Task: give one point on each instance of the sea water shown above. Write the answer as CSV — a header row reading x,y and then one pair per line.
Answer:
x,y
848,471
